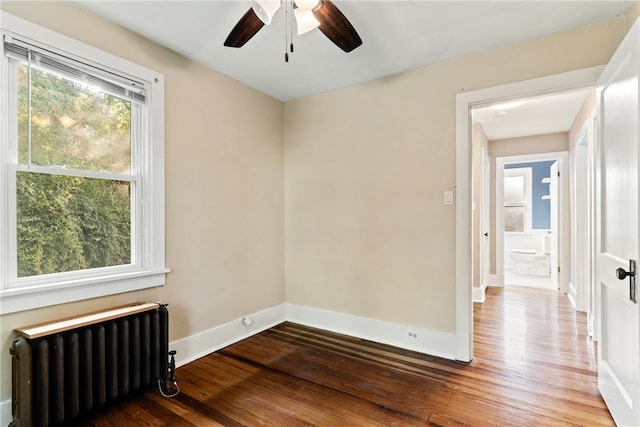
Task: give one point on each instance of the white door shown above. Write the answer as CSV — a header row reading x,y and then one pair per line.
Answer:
x,y
484,220
618,349
553,199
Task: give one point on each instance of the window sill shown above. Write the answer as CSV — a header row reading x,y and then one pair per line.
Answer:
x,y
20,299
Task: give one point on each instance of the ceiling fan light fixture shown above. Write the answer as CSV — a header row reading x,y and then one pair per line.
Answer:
x,y
309,14
306,20
307,4
265,9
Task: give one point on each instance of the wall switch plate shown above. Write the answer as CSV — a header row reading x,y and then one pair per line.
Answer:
x,y
448,197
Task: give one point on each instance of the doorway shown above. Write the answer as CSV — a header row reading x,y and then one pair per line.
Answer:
x,y
464,103
529,141
527,219
615,205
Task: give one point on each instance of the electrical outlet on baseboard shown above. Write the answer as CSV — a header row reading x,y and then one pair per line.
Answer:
x,y
413,334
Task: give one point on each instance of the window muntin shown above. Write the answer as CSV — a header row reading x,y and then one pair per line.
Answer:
x,y
127,167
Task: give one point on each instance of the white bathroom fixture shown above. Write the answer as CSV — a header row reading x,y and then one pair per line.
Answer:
x,y
530,261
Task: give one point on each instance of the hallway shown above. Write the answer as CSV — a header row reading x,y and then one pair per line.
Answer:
x,y
538,341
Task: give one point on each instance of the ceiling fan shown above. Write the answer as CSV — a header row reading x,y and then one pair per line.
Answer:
x,y
310,14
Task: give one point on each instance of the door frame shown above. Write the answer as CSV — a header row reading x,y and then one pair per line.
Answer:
x,y
580,281
571,80
485,220
562,158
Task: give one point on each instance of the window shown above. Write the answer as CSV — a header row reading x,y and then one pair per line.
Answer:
x,y
517,200
82,158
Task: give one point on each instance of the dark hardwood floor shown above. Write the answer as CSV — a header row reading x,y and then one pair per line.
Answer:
x,y
534,366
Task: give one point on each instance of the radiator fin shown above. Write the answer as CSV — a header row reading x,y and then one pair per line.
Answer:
x,y
60,377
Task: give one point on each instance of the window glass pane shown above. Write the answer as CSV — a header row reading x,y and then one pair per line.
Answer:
x,y
72,125
514,187
67,223
514,218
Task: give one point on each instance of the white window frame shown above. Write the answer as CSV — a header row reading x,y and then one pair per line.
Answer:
x,y
528,202
148,266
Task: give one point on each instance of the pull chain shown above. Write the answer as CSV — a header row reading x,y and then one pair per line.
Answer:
x,y
291,28
286,32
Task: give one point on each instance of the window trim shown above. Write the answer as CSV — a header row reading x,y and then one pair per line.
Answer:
x,y
76,286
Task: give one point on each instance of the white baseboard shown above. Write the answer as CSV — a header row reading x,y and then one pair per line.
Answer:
x,y
195,346
479,293
206,342
496,280
408,337
5,413
403,336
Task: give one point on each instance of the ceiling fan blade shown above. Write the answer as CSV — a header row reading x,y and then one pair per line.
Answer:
x,y
336,26
246,28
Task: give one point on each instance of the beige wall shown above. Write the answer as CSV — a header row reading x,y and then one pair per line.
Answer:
x,y
364,171
366,167
224,188
632,14
536,144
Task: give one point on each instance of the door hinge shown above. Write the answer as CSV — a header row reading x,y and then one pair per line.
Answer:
x,y
558,269
558,174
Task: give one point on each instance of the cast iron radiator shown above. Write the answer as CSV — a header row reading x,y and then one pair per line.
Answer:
x,y
65,369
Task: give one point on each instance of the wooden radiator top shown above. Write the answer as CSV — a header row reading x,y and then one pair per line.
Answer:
x,y
62,325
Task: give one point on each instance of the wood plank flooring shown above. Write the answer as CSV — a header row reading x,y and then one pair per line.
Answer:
x,y
534,366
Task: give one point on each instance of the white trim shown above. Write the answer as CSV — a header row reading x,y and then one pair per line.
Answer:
x,y
57,170
15,300
485,219
479,293
580,217
424,341
206,342
496,280
147,177
53,40
593,312
5,413
464,103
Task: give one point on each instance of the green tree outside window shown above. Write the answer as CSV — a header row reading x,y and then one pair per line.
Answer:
x,y
67,222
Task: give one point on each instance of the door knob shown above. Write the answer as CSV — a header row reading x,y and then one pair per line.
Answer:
x,y
486,234
623,274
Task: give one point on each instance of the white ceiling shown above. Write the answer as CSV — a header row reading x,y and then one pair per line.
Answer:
x,y
397,36
537,116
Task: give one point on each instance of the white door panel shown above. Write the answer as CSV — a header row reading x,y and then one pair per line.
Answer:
x,y
619,346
